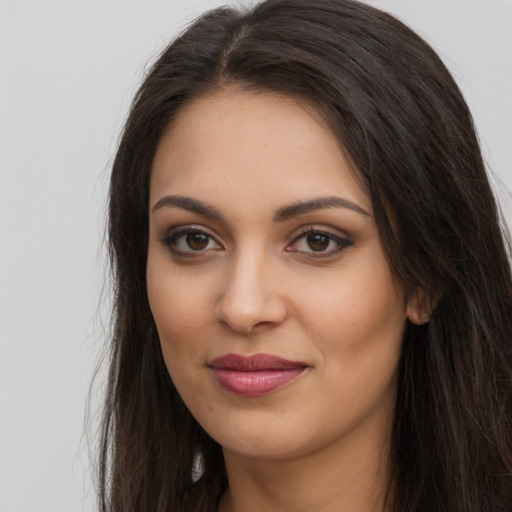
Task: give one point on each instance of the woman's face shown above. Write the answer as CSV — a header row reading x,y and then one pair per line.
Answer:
x,y
279,318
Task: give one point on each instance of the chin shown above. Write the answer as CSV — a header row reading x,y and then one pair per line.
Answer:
x,y
270,447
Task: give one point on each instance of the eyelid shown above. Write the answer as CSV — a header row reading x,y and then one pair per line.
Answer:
x,y
174,233
342,241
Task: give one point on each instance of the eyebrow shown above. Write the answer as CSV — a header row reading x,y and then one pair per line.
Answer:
x,y
321,203
190,204
283,214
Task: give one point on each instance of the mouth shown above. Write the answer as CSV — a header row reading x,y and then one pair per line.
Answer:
x,y
255,375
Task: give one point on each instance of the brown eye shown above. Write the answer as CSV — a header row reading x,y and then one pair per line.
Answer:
x,y
187,241
197,241
317,242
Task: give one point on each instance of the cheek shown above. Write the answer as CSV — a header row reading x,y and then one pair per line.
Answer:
x,y
359,318
179,311
358,331
180,300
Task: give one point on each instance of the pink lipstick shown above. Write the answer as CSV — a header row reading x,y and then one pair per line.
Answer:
x,y
254,375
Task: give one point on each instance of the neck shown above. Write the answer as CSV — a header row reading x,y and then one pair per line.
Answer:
x,y
350,475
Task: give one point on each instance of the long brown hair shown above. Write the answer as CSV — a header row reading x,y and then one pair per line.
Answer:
x,y
400,116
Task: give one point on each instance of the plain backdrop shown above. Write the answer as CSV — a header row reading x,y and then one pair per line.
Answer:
x,y
68,70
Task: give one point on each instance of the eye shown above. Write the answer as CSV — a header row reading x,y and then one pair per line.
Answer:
x,y
190,241
318,243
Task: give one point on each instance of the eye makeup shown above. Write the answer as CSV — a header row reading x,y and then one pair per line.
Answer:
x,y
191,241
318,243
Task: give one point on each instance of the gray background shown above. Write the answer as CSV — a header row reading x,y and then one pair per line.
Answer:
x,y
68,70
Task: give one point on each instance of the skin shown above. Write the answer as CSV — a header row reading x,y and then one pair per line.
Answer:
x,y
260,285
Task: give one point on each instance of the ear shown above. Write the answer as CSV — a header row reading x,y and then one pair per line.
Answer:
x,y
416,316
420,306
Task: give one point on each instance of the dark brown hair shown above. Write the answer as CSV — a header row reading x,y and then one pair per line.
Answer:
x,y
400,116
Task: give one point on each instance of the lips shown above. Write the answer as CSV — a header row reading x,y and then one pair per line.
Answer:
x,y
254,375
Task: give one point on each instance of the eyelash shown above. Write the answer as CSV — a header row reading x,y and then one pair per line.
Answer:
x,y
342,243
172,238
170,241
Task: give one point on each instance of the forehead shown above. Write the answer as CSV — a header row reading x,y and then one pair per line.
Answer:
x,y
252,145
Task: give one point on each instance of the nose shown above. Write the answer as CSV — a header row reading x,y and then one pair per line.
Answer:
x,y
250,296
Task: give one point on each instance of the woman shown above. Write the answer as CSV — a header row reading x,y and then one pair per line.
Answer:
x,y
313,295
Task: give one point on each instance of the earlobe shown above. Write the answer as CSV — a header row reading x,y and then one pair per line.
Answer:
x,y
417,317
420,307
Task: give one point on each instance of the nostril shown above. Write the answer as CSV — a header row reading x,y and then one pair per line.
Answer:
x,y
247,316
262,324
